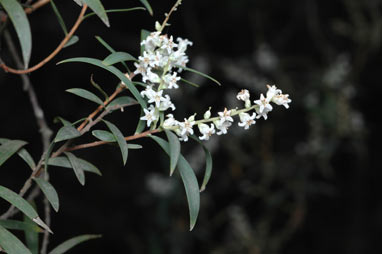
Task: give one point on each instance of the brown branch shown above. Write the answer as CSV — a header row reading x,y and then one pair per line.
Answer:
x,y
35,6
98,143
54,53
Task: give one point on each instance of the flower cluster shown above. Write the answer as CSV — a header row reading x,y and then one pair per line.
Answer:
x,y
220,124
159,65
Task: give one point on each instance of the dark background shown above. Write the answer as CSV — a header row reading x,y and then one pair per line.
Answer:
x,y
304,181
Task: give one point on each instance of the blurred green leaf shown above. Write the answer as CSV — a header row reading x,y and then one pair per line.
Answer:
x,y
77,168
67,245
73,40
65,163
20,225
62,120
208,171
8,148
31,237
122,101
11,244
47,155
113,70
118,57
120,140
98,8
22,205
98,87
20,22
66,132
144,34
199,73
141,124
49,192
147,5
85,94
189,82
78,2
189,181
174,150
23,153
59,17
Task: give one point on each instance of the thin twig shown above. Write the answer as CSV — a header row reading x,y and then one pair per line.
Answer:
x,y
54,53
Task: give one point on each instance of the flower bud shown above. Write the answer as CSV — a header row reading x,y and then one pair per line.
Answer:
x,y
157,26
207,114
191,118
247,103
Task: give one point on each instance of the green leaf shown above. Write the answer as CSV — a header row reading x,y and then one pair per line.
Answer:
x,y
20,225
62,120
113,70
98,87
120,102
20,22
141,124
148,7
11,244
199,73
118,57
174,150
85,94
98,8
23,153
8,148
49,192
67,245
144,34
108,47
208,171
76,165
47,155
66,132
120,140
189,82
59,17
115,10
104,135
78,2
189,181
31,237
73,40
65,163
22,205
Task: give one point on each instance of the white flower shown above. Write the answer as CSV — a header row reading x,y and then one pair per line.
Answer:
x,y
246,120
186,127
282,99
148,92
264,104
263,114
151,76
150,115
156,97
168,44
170,121
222,127
225,116
141,69
152,41
243,95
206,131
166,103
272,91
182,44
170,80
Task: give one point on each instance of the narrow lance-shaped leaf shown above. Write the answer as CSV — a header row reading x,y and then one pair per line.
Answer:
x,y
85,94
8,148
98,8
22,205
109,48
73,40
174,150
120,140
23,153
120,102
189,181
117,57
65,163
208,171
141,124
49,192
66,132
20,225
98,87
199,73
113,70
59,17
76,165
115,10
67,245
11,244
147,5
20,21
